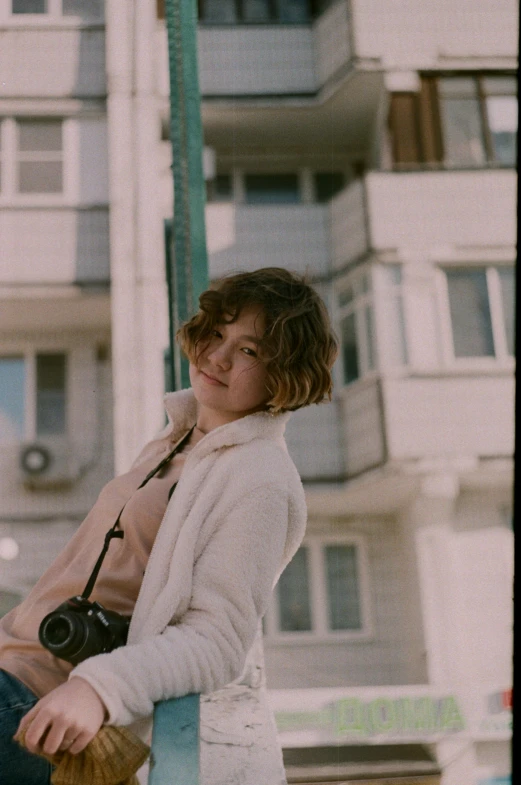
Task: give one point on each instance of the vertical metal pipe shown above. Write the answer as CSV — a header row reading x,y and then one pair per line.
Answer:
x,y
190,264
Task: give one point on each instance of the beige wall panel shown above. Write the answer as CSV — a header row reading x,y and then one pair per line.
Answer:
x,y
52,63
466,416
420,33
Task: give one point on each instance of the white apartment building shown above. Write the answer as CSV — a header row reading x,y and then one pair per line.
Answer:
x,y
371,144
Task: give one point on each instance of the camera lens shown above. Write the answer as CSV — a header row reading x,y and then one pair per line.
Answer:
x,y
58,631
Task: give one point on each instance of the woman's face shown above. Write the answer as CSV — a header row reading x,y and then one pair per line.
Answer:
x,y
229,378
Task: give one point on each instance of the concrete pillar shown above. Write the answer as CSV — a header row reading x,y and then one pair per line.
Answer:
x,y
432,515
138,293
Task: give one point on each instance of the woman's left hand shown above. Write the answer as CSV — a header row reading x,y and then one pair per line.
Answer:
x,y
65,719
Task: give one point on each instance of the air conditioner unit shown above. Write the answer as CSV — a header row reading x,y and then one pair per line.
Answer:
x,y
48,463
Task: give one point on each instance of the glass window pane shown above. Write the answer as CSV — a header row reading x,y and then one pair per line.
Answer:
x,y
256,10
294,11
349,349
462,132
346,296
502,123
40,136
293,594
343,588
29,6
50,394
500,85
40,177
218,11
223,187
12,398
470,313
272,189
508,296
370,337
462,87
87,9
327,184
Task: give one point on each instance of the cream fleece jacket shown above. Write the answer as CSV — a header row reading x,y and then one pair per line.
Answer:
x,y
235,520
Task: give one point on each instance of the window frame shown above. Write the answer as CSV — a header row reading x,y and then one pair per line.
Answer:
x,y
359,304
52,16
70,157
423,147
501,357
320,632
30,354
314,10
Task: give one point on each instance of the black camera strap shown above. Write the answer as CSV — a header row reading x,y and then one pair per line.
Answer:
x,y
118,533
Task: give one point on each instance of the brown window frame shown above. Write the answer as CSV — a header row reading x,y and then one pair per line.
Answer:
x,y
417,136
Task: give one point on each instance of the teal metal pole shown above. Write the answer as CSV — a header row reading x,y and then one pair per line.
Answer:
x,y
175,742
190,261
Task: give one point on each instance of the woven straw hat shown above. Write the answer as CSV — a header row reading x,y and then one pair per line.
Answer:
x,y
111,758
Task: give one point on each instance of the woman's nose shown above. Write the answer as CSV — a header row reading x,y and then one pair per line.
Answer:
x,y
220,356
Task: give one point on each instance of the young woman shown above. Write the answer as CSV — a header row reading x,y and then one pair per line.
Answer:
x,y
195,567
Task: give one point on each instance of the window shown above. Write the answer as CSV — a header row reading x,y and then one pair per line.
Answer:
x,y
32,396
86,9
456,121
29,6
40,156
327,185
233,12
357,333
392,314
220,189
321,592
272,189
481,311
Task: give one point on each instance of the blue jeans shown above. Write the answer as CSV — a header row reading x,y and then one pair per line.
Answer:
x,y
17,765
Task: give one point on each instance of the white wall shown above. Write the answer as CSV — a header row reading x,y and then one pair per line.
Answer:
x,y
466,209
392,655
428,33
460,415
43,62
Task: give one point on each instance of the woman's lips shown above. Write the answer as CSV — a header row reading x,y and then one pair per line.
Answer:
x,y
211,380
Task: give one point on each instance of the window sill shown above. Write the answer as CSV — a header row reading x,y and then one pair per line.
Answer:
x,y
36,22
315,639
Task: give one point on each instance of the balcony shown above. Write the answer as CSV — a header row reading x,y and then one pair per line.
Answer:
x,y
54,246
412,35
266,60
250,236
427,415
420,212
52,63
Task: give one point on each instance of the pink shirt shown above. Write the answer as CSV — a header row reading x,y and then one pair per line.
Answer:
x,y
119,580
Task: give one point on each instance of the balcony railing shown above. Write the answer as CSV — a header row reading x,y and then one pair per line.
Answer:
x,y
409,211
52,63
250,236
54,245
267,59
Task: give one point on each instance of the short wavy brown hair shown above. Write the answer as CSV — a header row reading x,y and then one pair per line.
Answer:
x,y
298,347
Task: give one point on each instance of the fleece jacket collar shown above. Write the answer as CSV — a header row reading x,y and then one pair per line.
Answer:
x,y
181,408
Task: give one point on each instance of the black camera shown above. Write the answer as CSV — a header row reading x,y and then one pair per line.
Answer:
x,y
78,629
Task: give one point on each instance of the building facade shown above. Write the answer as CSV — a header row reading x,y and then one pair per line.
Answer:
x,y
370,144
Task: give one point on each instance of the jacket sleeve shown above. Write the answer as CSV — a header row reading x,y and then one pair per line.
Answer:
x,y
206,649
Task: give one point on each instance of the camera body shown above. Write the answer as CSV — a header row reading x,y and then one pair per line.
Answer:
x,y
78,629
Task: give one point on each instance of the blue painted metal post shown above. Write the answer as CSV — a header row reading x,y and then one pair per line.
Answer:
x,y
189,270
175,742
175,737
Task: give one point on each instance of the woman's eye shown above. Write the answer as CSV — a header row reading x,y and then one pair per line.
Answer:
x,y
250,352
216,333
